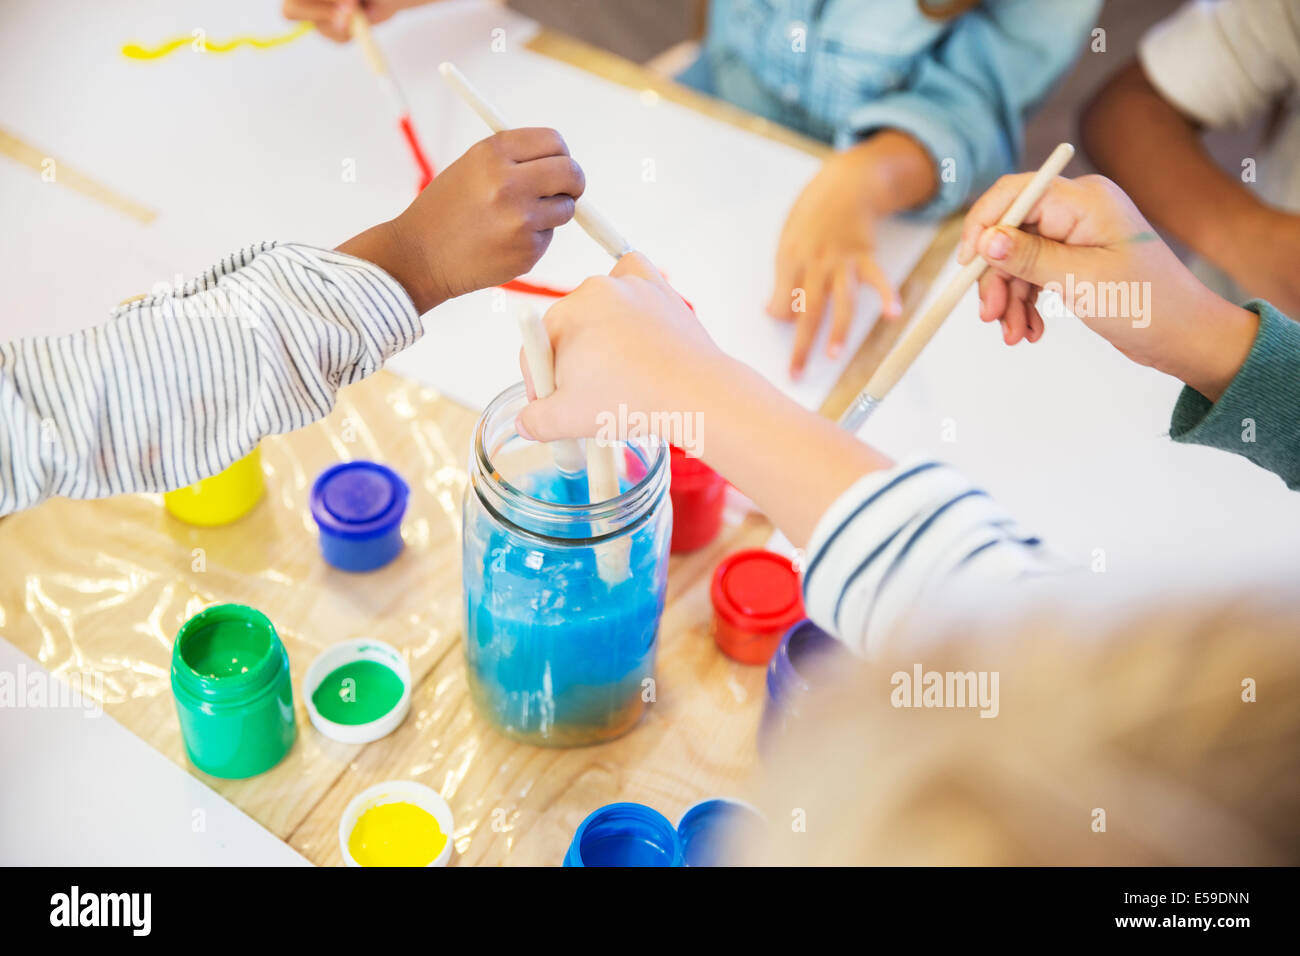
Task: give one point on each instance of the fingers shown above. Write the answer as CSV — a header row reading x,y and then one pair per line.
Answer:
x,y
809,321
844,298
1030,257
993,295
529,388
530,143
789,270
1059,214
1036,325
635,264
1011,301
890,305
1016,320
987,210
539,420
555,176
332,18
551,212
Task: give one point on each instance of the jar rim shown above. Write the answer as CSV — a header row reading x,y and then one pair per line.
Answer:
x,y
620,513
233,687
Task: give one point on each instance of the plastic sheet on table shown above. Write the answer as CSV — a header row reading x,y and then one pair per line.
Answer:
x,y
101,588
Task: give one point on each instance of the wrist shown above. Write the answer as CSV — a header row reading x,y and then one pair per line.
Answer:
x,y
892,172
700,385
1216,351
410,256
389,247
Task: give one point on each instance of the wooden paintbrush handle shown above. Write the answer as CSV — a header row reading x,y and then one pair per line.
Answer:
x,y
904,353
361,33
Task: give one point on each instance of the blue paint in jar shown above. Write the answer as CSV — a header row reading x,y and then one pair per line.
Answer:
x,y
555,655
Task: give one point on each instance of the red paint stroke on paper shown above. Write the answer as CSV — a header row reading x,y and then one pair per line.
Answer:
x,y
426,168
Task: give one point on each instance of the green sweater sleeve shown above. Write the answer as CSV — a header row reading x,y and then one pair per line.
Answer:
x,y
1258,416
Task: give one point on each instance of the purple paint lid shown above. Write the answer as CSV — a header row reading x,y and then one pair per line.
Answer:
x,y
358,499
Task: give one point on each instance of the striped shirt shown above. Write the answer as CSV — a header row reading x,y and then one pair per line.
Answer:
x,y
898,539
175,387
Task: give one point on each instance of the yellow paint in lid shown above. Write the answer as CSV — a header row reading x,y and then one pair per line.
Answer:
x,y
396,834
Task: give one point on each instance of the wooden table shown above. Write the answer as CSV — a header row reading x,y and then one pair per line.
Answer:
x,y
104,586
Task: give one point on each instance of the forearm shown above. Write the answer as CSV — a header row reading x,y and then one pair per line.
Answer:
x,y
176,387
1156,155
789,461
878,537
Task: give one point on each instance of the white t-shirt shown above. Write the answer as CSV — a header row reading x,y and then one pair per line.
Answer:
x,y
1227,62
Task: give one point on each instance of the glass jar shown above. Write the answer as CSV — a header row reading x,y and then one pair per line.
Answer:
x,y
557,655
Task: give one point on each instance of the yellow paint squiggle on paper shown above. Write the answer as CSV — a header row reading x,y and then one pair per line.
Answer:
x,y
203,45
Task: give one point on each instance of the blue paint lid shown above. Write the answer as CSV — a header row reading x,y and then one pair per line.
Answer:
x,y
804,652
709,828
358,499
625,834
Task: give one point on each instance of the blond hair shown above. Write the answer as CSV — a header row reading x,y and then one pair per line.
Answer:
x,y
1143,748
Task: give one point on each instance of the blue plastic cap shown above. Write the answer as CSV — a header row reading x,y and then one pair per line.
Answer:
x,y
708,829
800,652
359,507
625,834
358,499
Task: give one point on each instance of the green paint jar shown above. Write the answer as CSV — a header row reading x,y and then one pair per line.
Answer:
x,y
234,698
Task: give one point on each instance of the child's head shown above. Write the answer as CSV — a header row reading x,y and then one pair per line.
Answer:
x,y
1142,748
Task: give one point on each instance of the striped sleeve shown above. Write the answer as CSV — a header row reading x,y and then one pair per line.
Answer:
x,y
898,537
175,387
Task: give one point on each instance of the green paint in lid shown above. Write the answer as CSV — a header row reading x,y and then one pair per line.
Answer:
x,y
358,692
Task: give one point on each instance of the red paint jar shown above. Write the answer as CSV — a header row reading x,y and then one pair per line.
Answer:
x,y
698,494
756,598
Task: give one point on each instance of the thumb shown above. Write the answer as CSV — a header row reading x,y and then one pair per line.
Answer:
x,y
1028,256
539,420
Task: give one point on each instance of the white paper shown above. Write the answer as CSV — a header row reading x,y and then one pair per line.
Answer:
x,y
1072,438
82,790
299,143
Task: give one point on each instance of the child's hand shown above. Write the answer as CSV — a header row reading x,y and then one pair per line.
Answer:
x,y
1087,241
827,249
623,339
333,18
485,219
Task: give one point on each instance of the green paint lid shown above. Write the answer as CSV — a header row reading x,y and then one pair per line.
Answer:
x,y
357,691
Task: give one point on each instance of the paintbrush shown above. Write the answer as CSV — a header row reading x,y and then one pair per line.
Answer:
x,y
379,66
591,219
905,351
541,369
602,459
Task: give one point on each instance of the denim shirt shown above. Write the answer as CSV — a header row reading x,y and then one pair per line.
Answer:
x,y
839,70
